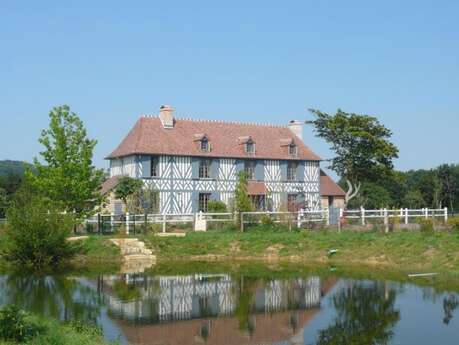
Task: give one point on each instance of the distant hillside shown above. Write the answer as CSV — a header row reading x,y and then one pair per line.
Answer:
x,y
12,167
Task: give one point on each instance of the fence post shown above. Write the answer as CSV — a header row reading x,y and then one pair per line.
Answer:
x,y
386,220
362,215
446,214
426,212
98,224
401,214
327,214
127,223
406,215
112,219
242,221
133,224
145,222
340,218
164,222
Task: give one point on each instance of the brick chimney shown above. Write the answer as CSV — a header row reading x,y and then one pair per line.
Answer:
x,y
166,115
297,128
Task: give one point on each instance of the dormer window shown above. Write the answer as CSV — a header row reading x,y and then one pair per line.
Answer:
x,y
205,147
250,147
292,150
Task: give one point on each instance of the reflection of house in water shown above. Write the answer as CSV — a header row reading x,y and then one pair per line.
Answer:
x,y
207,308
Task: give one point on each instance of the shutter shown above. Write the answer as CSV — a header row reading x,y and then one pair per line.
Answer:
x,y
145,162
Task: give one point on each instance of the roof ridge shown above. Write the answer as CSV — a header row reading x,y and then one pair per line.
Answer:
x,y
226,122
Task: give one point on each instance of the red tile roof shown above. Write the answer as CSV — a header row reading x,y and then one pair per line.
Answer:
x,y
256,188
328,187
109,184
149,137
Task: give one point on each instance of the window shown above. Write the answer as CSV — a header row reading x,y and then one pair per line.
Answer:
x,y
204,168
249,168
205,147
154,166
250,147
291,171
258,202
292,202
292,150
204,201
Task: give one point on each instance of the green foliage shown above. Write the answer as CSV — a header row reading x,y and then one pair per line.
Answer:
x,y
3,203
17,325
20,327
413,199
371,196
127,186
216,206
241,198
10,167
266,220
67,175
361,145
453,223
37,232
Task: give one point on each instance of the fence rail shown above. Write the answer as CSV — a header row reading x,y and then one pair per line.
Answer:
x,y
131,223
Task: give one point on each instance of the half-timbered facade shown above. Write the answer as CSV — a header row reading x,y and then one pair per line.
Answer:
x,y
190,162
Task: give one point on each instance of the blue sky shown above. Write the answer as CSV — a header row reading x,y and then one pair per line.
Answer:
x,y
260,61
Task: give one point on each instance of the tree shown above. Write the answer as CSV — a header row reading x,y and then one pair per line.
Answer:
x,y
372,196
3,203
241,198
67,175
448,185
413,199
361,145
37,231
127,186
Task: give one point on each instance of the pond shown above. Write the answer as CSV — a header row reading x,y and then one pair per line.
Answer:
x,y
212,305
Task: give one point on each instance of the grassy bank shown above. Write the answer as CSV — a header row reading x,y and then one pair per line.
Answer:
x,y
19,327
96,253
420,251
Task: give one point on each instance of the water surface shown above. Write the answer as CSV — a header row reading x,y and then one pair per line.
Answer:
x,y
229,307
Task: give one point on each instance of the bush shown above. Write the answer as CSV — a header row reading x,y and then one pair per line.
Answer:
x,y
425,224
266,220
17,325
453,223
36,237
216,206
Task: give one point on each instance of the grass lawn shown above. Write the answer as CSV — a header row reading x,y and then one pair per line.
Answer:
x,y
438,251
48,331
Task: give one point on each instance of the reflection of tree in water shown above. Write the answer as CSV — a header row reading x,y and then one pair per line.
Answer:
x,y
365,315
59,297
450,304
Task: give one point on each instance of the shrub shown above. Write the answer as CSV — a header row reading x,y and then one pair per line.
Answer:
x,y
266,220
425,224
453,223
37,232
216,206
17,325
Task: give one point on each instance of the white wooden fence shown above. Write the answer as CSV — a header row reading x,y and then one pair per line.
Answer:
x,y
403,214
299,219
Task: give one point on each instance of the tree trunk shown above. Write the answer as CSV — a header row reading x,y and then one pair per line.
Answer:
x,y
352,191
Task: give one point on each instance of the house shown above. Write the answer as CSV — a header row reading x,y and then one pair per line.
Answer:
x,y
332,195
190,162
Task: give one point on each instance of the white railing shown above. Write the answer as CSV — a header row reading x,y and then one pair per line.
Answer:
x,y
404,214
299,218
364,216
